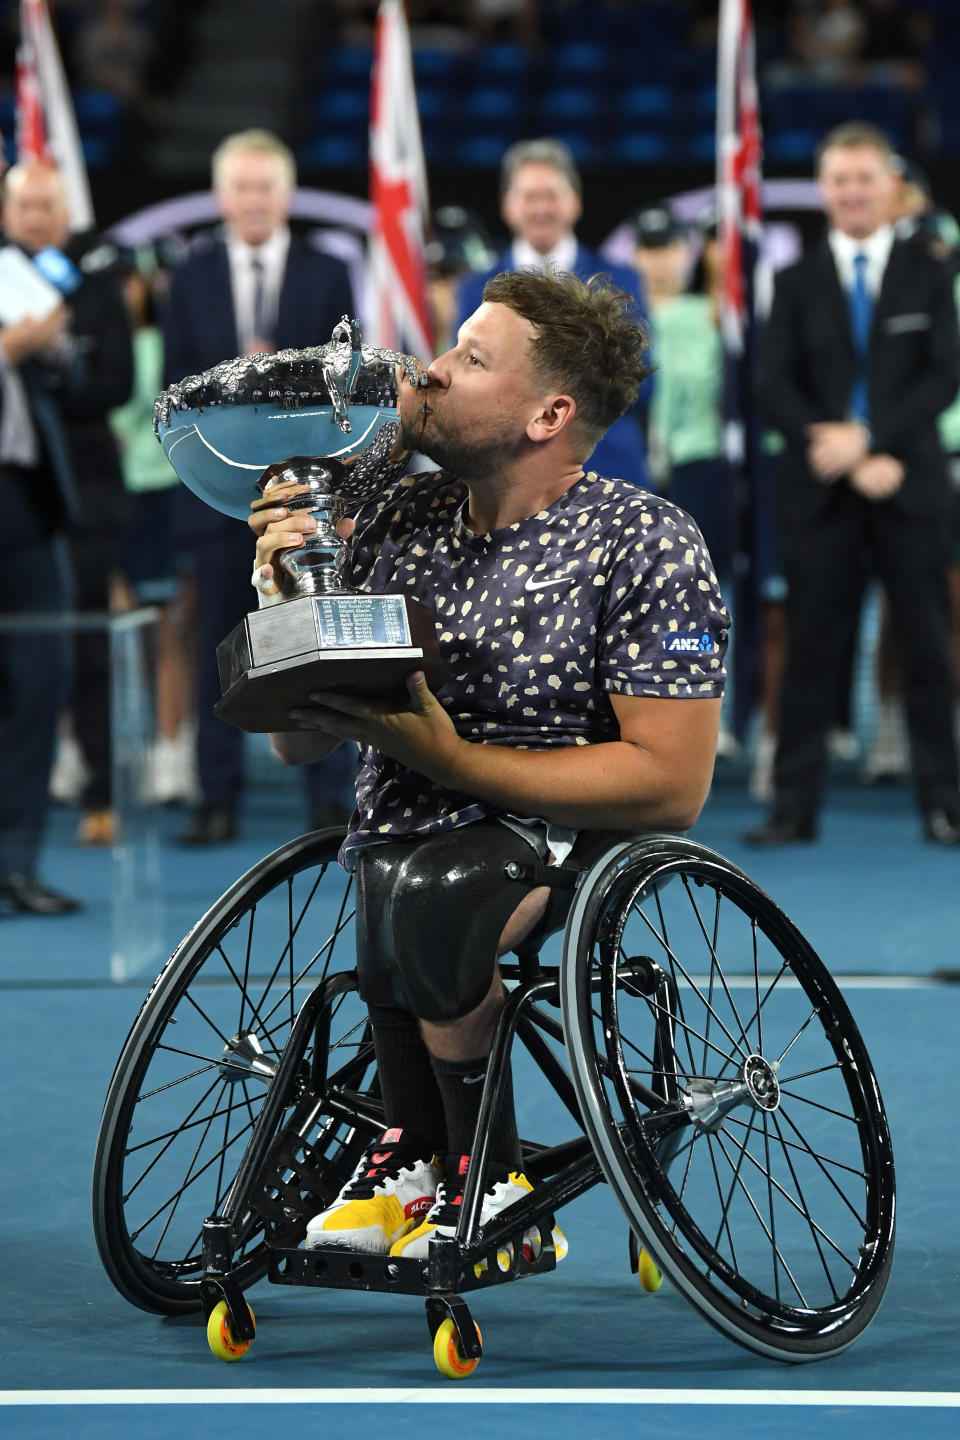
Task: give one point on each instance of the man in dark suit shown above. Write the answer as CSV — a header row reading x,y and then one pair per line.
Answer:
x,y
541,202
861,354
38,498
256,289
89,374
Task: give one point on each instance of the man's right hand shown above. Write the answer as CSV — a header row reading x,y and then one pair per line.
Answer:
x,y
278,528
28,336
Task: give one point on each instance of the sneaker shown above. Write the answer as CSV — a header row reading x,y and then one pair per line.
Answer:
x,y
389,1193
443,1215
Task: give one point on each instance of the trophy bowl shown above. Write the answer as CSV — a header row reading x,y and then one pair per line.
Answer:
x,y
326,418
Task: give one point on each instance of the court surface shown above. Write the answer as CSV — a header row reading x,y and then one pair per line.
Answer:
x,y
579,1352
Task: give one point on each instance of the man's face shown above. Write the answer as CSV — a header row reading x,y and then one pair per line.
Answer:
x,y
859,189
35,212
541,205
253,195
481,395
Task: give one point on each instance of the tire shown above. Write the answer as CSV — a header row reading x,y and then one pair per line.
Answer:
x,y
731,1102
197,1064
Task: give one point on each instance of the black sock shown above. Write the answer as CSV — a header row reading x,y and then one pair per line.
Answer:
x,y
461,1086
411,1097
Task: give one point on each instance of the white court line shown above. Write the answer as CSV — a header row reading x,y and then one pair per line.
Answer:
x,y
441,1395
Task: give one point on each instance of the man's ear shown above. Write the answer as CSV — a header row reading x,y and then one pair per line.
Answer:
x,y
555,415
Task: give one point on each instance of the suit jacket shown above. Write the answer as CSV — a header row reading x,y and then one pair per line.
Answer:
x,y
621,454
200,329
807,368
199,325
97,379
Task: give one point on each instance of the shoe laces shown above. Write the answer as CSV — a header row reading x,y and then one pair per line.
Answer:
x,y
445,1210
384,1160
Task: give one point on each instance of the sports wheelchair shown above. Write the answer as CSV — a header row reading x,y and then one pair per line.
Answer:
x,y
713,1076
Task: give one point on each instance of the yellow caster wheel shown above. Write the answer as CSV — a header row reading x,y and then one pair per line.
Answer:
x,y
220,1336
448,1355
650,1276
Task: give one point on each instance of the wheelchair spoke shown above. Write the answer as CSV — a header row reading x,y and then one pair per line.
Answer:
x,y
173,1136
715,968
181,1129
779,1261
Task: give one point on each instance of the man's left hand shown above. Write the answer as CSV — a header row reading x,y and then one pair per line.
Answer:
x,y
422,738
878,477
835,448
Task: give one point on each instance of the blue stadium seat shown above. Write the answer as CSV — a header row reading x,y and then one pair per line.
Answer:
x,y
645,102
701,147
349,62
482,151
334,152
639,148
792,147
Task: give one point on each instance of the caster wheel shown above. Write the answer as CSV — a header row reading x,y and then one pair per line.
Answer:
x,y
448,1355
650,1276
220,1336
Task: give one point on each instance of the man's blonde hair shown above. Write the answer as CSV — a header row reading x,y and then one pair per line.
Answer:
x,y
244,142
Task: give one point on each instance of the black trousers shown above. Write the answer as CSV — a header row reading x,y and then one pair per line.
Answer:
x,y
92,557
825,564
34,669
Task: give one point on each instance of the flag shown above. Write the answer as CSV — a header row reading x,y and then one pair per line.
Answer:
x,y
399,310
46,124
739,155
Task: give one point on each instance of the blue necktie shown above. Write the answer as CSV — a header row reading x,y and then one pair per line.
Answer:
x,y
259,300
860,303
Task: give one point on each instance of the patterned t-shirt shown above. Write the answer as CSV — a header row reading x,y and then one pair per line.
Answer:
x,y
608,591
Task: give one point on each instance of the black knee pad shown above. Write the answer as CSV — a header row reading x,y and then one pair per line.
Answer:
x,y
429,916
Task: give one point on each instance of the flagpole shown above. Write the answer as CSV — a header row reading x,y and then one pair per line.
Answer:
x,y
739,230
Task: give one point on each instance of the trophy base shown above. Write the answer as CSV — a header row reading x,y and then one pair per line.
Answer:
x,y
275,657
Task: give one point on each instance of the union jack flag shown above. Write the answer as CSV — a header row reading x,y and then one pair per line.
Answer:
x,y
399,308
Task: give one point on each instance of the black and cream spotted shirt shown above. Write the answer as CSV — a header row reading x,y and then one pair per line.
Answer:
x,y
609,591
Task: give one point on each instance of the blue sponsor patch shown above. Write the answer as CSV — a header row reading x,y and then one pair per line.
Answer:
x,y
695,644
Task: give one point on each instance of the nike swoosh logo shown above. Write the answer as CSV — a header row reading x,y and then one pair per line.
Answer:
x,y
548,584
381,1158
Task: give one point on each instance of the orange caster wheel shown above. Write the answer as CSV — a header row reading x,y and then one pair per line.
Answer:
x,y
220,1336
448,1355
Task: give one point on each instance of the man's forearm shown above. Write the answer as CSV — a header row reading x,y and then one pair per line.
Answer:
x,y
302,747
616,785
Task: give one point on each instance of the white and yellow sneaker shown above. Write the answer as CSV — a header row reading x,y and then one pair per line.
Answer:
x,y
388,1195
441,1218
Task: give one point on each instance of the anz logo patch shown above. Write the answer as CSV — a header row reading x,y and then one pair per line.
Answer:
x,y
690,644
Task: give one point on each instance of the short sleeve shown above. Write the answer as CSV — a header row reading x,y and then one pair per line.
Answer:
x,y
664,627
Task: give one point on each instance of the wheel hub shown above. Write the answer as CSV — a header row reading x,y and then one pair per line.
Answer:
x,y
708,1102
243,1057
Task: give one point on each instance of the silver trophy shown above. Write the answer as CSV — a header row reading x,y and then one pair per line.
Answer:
x,y
333,410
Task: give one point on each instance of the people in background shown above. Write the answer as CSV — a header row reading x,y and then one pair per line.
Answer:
x,y
541,201
861,354
255,288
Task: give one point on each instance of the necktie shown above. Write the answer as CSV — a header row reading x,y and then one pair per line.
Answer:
x,y
860,303
259,300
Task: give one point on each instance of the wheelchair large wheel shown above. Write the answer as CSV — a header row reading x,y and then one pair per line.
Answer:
x,y
197,1064
729,1097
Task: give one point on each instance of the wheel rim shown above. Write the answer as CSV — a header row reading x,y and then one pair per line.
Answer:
x,y
197,1066
767,1188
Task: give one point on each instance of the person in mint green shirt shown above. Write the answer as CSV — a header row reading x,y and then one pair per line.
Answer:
x,y
150,551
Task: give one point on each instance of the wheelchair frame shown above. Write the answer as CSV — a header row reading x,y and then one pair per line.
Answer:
x,y
643,1112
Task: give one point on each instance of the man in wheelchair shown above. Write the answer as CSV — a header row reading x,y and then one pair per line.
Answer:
x,y
584,632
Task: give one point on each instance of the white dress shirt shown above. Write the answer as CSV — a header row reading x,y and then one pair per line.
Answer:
x,y
561,257
876,247
273,256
